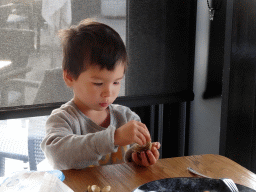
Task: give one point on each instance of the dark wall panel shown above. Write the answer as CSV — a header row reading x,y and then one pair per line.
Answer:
x,y
238,131
161,36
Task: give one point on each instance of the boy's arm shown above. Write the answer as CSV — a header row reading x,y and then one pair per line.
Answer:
x,y
67,149
130,156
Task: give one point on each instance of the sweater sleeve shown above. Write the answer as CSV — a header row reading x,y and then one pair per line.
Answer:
x,y
67,149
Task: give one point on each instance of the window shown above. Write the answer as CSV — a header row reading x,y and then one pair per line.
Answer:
x,y
30,70
34,76
159,36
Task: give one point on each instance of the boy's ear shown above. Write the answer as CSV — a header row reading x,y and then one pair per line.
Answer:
x,y
68,78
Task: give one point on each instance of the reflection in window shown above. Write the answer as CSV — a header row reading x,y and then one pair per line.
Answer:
x,y
28,39
5,63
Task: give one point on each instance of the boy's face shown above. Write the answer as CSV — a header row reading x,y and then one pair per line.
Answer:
x,y
96,89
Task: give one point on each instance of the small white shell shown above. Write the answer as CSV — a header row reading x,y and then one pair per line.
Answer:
x,y
95,188
89,189
106,189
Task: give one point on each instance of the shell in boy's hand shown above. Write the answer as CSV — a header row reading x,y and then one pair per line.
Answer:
x,y
139,148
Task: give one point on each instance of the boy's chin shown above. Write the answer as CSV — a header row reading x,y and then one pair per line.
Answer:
x,y
101,108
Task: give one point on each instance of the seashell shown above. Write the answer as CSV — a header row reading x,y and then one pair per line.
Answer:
x,y
106,189
89,189
95,188
139,148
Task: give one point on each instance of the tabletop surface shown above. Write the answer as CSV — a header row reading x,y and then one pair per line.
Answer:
x,y
128,176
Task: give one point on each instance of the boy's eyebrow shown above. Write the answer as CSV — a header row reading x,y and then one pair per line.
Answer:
x,y
98,78
120,78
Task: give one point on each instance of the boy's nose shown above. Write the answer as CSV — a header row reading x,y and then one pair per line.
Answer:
x,y
106,93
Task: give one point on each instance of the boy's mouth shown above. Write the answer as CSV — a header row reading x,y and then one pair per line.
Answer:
x,y
104,104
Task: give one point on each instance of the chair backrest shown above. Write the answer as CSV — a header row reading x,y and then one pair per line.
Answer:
x,y
5,11
16,45
53,88
36,133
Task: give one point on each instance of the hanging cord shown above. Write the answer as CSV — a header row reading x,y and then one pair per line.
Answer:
x,y
212,10
209,5
217,6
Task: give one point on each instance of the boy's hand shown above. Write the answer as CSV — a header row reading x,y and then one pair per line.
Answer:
x,y
132,132
147,158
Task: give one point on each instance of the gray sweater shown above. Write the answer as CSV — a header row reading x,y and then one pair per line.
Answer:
x,y
73,141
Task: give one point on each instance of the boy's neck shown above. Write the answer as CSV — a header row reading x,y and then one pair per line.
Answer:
x,y
101,118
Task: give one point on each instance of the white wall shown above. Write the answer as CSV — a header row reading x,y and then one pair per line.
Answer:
x,y
205,114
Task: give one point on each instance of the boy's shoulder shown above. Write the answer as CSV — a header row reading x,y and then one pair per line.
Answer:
x,y
65,114
120,108
66,108
124,111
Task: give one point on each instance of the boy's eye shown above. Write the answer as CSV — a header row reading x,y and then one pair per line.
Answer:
x,y
98,84
116,83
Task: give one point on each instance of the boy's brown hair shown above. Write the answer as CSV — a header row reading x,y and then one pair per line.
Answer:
x,y
91,44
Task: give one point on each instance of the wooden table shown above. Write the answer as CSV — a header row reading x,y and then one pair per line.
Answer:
x,y
127,176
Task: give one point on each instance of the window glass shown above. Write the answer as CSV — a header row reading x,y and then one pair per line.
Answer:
x,y
30,50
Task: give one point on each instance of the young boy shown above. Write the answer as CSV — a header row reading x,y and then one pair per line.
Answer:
x,y
89,130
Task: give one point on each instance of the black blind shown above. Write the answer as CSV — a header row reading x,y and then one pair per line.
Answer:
x,y
160,44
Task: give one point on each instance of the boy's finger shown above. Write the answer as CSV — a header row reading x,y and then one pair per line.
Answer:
x,y
146,129
143,125
145,134
155,152
140,139
151,158
135,158
156,144
144,159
